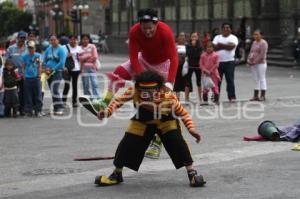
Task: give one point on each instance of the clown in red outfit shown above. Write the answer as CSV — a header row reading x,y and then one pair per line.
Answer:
x,y
151,47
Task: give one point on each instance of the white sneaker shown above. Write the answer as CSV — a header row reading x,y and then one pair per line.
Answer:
x,y
58,113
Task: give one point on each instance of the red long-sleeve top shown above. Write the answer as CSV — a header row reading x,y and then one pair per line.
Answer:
x,y
155,50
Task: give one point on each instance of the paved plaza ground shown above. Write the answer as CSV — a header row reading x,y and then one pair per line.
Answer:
x,y
36,154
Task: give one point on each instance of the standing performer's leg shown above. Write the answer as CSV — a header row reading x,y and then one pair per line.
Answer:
x,y
116,81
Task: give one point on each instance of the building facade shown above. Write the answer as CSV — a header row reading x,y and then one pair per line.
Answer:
x,y
92,17
278,19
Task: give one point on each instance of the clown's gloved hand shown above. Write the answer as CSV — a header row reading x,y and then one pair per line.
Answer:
x,y
169,85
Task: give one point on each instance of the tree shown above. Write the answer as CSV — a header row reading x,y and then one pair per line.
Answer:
x,y
13,19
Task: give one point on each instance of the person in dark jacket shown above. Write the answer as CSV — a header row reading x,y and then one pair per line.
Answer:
x,y
193,53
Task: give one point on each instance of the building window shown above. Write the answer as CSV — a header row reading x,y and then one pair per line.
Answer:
x,y
220,9
170,10
144,4
156,5
285,5
242,8
185,10
115,11
124,16
202,9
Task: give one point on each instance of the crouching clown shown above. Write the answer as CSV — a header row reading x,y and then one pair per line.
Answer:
x,y
158,111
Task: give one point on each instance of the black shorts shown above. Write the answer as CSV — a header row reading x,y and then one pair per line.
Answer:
x,y
131,149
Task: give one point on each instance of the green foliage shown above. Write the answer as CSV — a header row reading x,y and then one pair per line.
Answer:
x,y
13,19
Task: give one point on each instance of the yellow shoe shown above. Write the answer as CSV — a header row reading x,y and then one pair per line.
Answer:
x,y
92,105
296,147
114,179
154,149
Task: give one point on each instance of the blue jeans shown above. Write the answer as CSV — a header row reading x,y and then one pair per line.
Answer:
x,y
227,69
54,82
90,76
32,95
1,104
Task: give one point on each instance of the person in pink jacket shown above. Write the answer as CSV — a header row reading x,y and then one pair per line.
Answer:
x,y
209,63
88,57
257,59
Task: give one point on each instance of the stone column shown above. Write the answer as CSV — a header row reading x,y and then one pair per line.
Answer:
x,y
269,19
108,18
193,11
119,17
230,8
255,13
210,13
162,9
177,8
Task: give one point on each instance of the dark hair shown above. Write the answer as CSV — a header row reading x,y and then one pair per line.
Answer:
x,y
64,40
195,32
8,62
227,24
72,36
31,33
209,43
258,30
53,35
149,76
85,35
198,44
147,15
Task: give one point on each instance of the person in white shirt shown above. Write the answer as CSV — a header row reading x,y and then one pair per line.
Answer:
x,y
73,49
225,45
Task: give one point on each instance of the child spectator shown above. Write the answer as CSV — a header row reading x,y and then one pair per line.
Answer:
x,y
32,83
209,63
11,99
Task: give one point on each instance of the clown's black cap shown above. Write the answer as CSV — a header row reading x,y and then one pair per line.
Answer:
x,y
146,15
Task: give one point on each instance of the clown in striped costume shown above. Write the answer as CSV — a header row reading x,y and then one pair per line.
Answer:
x,y
158,111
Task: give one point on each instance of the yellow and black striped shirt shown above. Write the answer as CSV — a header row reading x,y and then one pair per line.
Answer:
x,y
168,105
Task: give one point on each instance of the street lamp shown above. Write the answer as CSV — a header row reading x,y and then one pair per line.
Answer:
x,y
56,13
81,7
